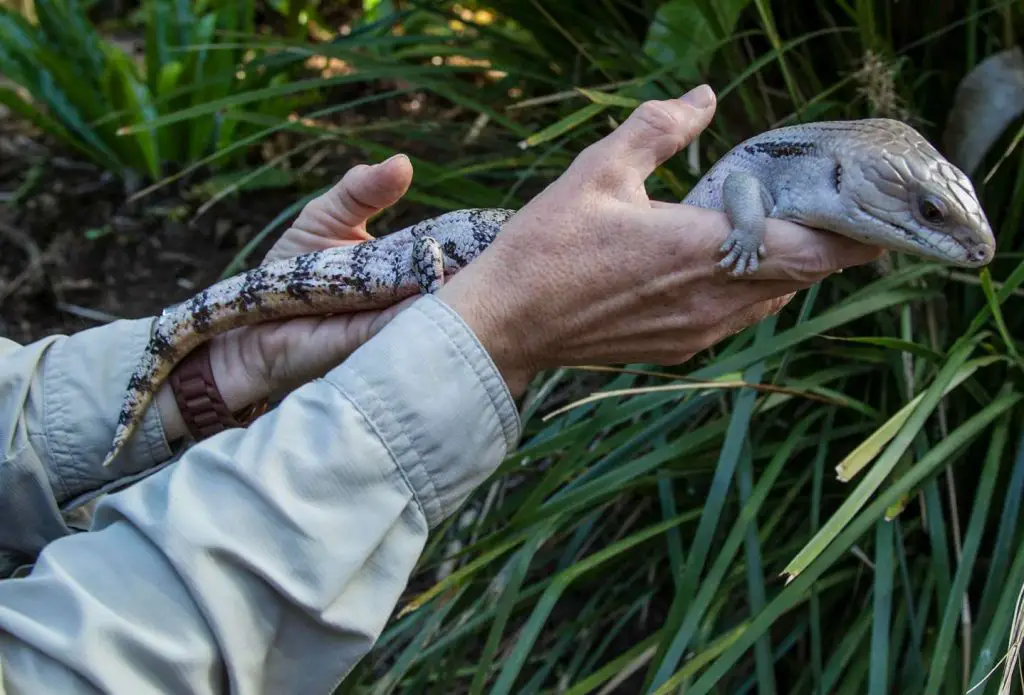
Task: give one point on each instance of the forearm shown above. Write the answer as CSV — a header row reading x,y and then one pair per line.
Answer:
x,y
269,559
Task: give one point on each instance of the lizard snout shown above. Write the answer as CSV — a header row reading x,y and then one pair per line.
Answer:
x,y
983,254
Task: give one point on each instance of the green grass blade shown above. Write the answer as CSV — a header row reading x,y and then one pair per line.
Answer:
x,y
528,635
997,314
1005,291
276,92
764,661
697,607
816,632
520,563
851,642
390,681
972,542
925,469
673,538
883,466
915,669
829,320
1002,548
866,451
883,590
130,94
563,126
11,99
635,654
669,654
993,645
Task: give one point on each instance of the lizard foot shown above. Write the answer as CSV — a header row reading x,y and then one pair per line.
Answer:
x,y
428,264
743,252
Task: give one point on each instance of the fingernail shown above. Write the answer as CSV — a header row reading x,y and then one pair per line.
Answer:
x,y
699,97
394,156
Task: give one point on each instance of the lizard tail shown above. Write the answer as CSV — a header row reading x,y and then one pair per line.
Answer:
x,y
134,402
159,359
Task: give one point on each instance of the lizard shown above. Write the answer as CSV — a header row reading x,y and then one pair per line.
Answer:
x,y
875,180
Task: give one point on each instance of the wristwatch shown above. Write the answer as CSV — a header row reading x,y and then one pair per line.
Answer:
x,y
199,400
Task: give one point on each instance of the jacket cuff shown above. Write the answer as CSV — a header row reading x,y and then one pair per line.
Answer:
x,y
84,379
443,454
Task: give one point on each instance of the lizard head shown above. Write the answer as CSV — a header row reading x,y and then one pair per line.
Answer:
x,y
905,196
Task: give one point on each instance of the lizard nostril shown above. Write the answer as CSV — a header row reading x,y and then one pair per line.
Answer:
x,y
983,253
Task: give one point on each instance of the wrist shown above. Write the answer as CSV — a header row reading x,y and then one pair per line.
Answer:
x,y
204,395
170,415
238,386
491,318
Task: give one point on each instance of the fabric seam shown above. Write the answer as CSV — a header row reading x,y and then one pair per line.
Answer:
x,y
371,392
512,429
57,454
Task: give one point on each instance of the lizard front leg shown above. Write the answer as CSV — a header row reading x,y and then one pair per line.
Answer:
x,y
747,203
428,264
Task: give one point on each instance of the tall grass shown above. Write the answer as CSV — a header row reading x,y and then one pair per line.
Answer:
x,y
701,539
82,89
829,502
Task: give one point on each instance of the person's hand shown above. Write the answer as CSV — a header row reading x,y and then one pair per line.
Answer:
x,y
255,362
592,271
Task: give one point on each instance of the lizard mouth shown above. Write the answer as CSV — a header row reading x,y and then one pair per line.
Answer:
x,y
921,242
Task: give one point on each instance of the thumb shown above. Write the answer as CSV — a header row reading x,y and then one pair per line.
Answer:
x,y
366,190
654,132
361,193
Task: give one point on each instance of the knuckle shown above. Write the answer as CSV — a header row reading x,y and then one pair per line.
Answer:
x,y
818,262
657,117
813,263
596,170
353,173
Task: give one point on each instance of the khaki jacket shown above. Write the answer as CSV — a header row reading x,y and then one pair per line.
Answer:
x,y
262,560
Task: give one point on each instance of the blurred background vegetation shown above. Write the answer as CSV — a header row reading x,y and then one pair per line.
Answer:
x,y
848,522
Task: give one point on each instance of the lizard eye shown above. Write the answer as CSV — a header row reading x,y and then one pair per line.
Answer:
x,y
932,210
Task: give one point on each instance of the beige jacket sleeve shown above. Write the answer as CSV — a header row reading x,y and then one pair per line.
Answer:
x,y
264,560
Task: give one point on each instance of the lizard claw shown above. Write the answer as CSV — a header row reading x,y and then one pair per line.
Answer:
x,y
743,252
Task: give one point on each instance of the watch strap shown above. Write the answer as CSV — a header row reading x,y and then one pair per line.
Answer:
x,y
199,400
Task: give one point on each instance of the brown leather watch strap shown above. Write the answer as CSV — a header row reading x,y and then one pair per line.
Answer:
x,y
199,400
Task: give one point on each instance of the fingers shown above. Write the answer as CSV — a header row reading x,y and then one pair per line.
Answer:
x,y
805,256
654,132
795,254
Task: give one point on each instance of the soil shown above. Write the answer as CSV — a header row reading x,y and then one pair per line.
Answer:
x,y
76,253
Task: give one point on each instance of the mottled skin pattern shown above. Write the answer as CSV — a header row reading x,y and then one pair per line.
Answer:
x,y
874,180
361,277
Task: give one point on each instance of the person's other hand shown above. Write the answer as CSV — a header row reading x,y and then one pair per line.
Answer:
x,y
592,271
254,362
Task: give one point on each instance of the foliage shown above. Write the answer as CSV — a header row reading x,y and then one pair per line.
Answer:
x,y
695,538
689,536
84,89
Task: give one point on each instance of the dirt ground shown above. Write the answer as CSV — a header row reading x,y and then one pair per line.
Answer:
x,y
74,253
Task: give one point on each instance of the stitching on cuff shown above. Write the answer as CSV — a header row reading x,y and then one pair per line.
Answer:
x,y
152,430
382,412
495,408
511,425
53,436
483,379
